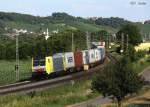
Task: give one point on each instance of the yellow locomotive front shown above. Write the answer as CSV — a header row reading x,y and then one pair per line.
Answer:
x,y
42,66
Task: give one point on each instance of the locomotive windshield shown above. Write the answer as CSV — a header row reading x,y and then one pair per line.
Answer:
x,y
39,62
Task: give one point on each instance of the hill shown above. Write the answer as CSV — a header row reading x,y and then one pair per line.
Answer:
x,y
61,21
114,22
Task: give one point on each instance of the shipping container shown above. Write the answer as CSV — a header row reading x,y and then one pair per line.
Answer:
x,y
85,56
69,60
58,62
97,55
91,56
102,49
78,60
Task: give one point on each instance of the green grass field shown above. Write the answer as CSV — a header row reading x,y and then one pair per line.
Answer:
x,y
58,97
8,74
141,64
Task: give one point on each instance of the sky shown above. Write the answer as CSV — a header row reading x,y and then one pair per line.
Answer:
x,y
128,9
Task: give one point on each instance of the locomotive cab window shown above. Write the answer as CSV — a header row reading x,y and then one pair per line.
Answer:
x,y
39,62
42,62
35,63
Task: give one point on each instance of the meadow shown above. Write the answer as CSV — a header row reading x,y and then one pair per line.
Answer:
x,y
58,97
141,64
8,73
143,46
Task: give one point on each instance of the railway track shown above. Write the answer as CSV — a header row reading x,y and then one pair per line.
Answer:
x,y
112,58
29,86
40,85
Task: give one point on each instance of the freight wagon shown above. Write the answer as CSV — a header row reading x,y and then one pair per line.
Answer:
x,y
68,62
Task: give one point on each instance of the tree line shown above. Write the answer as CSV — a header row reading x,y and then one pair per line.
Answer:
x,y
37,46
16,20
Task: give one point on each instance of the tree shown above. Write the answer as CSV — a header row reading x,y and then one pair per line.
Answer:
x,y
99,35
117,80
114,22
134,36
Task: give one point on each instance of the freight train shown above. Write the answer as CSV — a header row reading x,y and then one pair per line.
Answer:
x,y
67,62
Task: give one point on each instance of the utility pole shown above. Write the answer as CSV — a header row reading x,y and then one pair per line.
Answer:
x,y
115,38
72,42
122,43
88,40
107,41
127,42
17,58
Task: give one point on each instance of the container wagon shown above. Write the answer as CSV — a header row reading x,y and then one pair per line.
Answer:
x,y
67,62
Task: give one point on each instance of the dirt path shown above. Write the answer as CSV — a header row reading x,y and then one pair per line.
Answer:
x,y
144,98
146,74
92,103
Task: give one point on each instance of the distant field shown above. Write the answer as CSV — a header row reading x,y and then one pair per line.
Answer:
x,y
143,46
91,27
8,74
61,25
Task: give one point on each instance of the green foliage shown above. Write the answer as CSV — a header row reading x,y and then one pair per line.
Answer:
x,y
134,36
145,28
37,46
8,73
117,80
99,35
61,21
114,22
61,96
131,53
140,54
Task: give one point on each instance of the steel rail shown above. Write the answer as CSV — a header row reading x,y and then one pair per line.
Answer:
x,y
26,87
15,88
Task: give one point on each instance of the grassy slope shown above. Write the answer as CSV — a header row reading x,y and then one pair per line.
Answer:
x,y
62,25
58,97
144,28
91,27
8,74
140,65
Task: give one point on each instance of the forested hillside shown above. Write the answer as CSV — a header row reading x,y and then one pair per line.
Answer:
x,y
32,41
114,22
60,21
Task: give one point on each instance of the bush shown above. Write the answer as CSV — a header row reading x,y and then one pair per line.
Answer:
x,y
118,80
140,54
